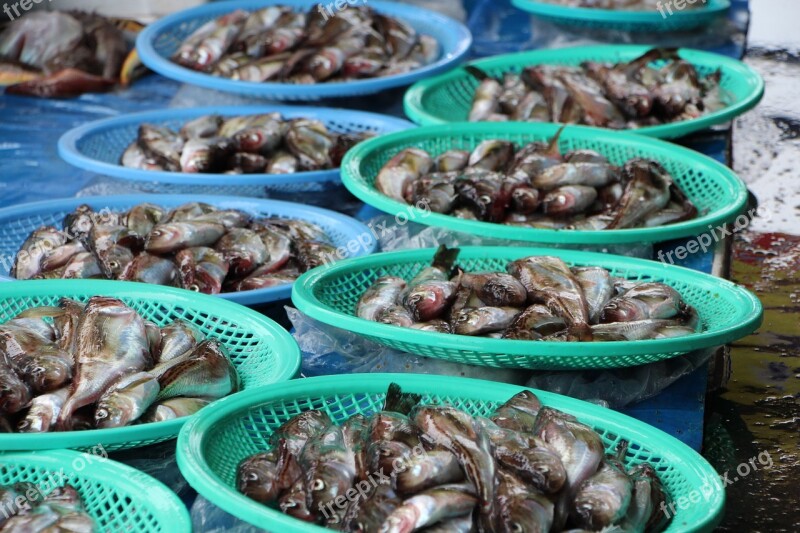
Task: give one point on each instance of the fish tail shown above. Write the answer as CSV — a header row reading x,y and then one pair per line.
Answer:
x,y
552,145
445,258
477,73
399,401
622,449
581,332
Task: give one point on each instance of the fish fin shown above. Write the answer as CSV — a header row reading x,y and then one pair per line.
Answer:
x,y
445,258
132,69
399,401
65,83
622,449
477,73
42,311
552,144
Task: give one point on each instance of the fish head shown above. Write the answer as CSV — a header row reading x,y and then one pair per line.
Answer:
x,y
326,480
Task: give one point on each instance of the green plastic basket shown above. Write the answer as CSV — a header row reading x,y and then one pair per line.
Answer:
x,y
329,294
211,447
627,20
448,97
716,191
118,497
261,350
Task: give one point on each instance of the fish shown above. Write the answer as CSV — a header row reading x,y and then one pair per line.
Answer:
x,y
15,394
263,476
148,268
39,362
313,254
486,101
634,330
521,509
111,342
311,143
329,467
647,191
482,320
172,409
580,448
299,429
451,161
597,288
496,289
61,256
142,218
293,502
535,322
568,200
204,372
282,163
396,315
368,514
174,236
381,295
491,155
642,302
355,431
438,325
204,154
243,250
175,339
201,127
202,269
401,170
126,400
28,261
430,507
459,433
549,280
427,470
162,145
574,173
602,499
429,299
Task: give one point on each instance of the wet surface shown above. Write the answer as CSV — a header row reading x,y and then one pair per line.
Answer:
x,y
753,419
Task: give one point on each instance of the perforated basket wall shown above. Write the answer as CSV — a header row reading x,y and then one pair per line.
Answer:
x,y
98,145
159,41
448,98
627,20
262,352
117,497
17,222
727,311
209,449
716,191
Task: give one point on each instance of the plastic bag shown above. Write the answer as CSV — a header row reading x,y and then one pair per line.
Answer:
x,y
209,518
620,387
329,350
158,461
394,234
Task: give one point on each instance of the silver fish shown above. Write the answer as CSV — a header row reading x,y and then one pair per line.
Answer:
x,y
111,342
243,249
535,322
642,302
126,400
401,170
204,126
147,268
143,217
568,200
172,409
597,288
162,145
202,269
588,174
396,315
491,155
175,236
205,372
36,247
379,297
431,506
427,470
177,338
482,320
602,499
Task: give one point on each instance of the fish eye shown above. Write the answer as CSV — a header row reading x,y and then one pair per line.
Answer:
x,y
113,264
516,528
317,484
194,287
485,199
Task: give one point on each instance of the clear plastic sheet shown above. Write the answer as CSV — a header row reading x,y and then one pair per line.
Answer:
x,y
329,350
393,235
209,518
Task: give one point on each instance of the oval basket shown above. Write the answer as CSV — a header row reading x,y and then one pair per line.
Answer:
x,y
17,222
627,20
116,496
210,448
329,294
97,146
158,42
448,98
716,191
261,350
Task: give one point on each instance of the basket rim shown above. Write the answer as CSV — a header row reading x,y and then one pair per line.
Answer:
x,y
282,343
751,311
449,57
351,178
162,501
191,441
416,111
68,144
251,297
611,16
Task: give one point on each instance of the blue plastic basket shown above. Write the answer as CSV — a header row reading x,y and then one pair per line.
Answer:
x,y
17,222
633,21
98,145
157,43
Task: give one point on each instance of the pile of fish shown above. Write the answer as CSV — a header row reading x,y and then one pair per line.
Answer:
x,y
26,510
536,186
67,53
655,88
413,467
194,246
624,5
278,44
537,298
240,145
100,364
